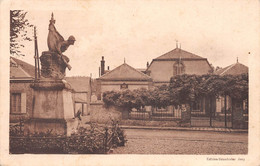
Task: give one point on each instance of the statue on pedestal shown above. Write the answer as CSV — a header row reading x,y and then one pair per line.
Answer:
x,y
52,98
53,62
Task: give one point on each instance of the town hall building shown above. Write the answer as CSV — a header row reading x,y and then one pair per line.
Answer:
x,y
177,62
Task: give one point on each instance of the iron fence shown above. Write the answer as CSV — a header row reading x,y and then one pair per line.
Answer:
x,y
160,114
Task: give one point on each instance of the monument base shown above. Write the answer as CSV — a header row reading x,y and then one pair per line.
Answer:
x,y
52,109
54,126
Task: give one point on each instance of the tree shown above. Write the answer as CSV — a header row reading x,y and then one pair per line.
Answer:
x,y
159,96
184,89
18,31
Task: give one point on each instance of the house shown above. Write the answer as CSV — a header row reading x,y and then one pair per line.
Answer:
x,y
234,69
81,93
175,62
123,77
21,94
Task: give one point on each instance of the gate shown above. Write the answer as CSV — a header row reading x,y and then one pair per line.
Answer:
x,y
212,112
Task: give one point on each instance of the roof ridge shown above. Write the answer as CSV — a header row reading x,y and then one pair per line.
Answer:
x,y
138,71
228,67
169,53
165,53
110,71
125,64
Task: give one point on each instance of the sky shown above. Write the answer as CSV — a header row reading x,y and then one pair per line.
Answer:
x,y
139,31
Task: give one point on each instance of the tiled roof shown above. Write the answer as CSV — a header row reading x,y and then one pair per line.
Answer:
x,y
79,84
18,71
141,69
28,68
125,72
177,53
234,69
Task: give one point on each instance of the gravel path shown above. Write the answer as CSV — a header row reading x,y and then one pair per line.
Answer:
x,y
142,141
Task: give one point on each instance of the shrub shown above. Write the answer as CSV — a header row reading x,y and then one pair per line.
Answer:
x,y
85,141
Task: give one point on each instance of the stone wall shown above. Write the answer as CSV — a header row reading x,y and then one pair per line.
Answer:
x,y
100,114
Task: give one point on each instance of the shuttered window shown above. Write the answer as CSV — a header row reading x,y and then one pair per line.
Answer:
x,y
18,103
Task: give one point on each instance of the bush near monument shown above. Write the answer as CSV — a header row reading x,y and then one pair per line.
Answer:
x,y
97,140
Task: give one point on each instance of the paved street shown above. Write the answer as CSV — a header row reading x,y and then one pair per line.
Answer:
x,y
145,141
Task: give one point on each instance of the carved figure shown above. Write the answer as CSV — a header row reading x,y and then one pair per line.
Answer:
x,y
53,62
56,42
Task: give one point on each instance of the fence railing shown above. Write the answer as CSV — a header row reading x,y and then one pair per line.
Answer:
x,y
161,114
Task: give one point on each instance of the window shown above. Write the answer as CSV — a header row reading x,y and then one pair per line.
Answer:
x,y
178,68
197,106
245,106
123,86
18,103
82,107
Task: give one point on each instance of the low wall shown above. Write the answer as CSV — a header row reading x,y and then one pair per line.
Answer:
x,y
150,123
102,115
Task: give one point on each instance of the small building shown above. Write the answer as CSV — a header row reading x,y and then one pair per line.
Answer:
x,y
176,62
21,94
81,93
234,69
123,77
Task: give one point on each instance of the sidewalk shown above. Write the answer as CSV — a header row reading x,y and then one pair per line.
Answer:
x,y
187,129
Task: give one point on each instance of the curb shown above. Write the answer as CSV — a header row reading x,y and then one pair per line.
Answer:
x,y
226,130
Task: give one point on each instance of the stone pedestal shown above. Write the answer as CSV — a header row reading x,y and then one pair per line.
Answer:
x,y
53,65
185,115
52,108
238,119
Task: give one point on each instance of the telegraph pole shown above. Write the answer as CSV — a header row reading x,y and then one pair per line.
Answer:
x,y
36,56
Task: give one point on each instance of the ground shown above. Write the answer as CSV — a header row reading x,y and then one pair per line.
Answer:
x,y
145,141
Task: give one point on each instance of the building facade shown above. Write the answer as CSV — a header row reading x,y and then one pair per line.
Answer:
x,y
21,94
176,62
81,93
123,77
234,69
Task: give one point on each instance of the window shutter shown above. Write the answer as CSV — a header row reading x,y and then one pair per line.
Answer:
x,y
23,102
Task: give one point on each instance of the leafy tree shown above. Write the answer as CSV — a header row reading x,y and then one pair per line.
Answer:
x,y
190,88
184,89
237,87
126,99
18,31
159,96
110,98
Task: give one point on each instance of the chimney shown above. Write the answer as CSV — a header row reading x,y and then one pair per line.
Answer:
x,y
108,68
99,71
147,64
102,66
